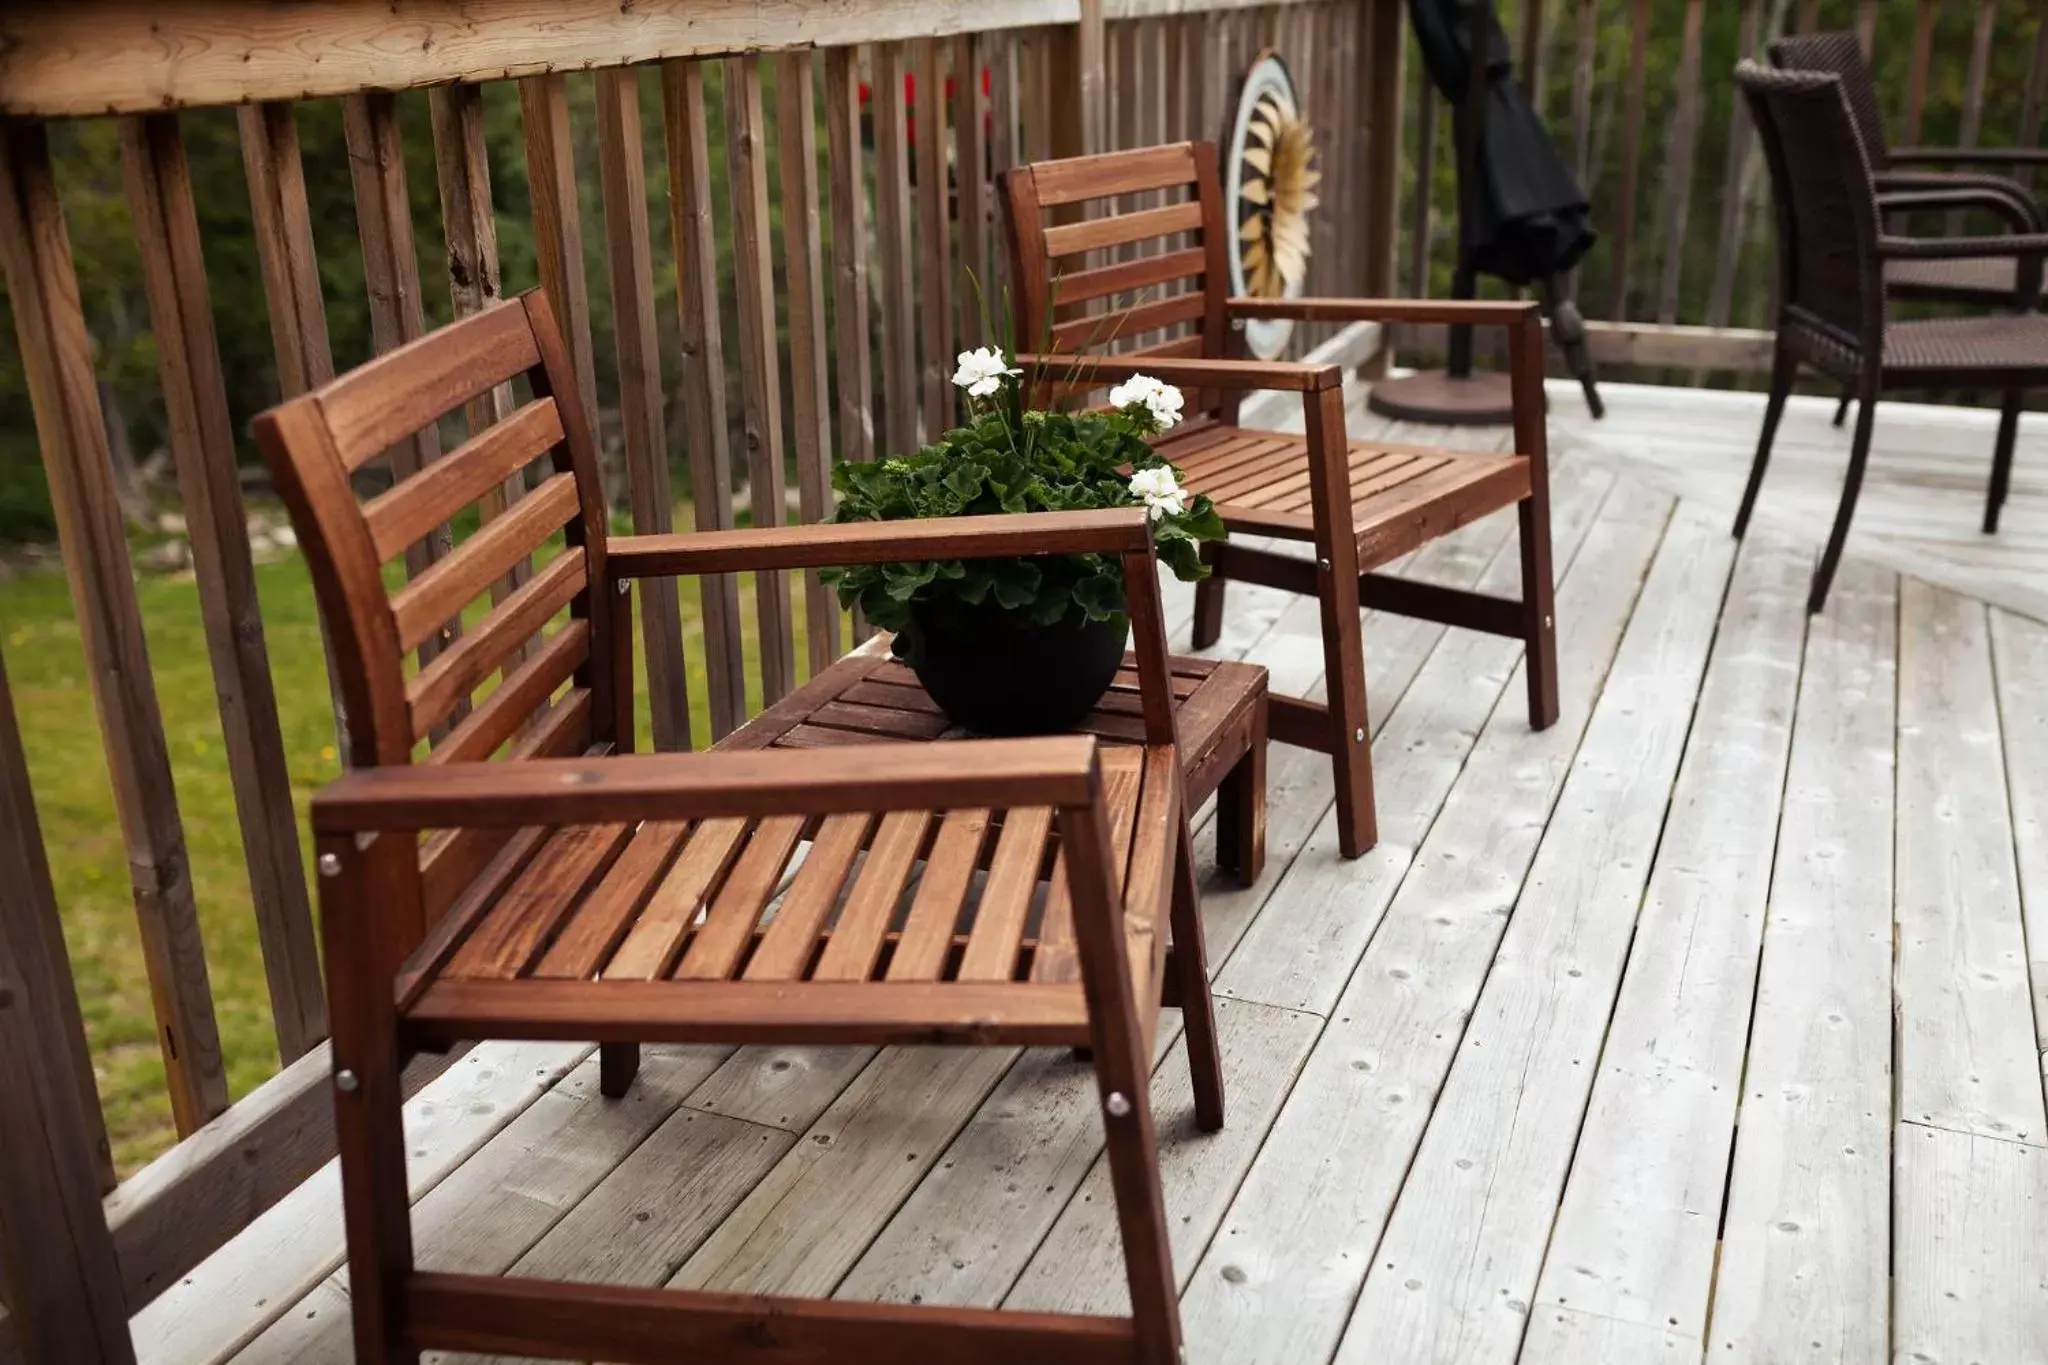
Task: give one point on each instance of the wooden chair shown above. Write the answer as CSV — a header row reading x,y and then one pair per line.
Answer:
x,y
1832,259
569,890
1362,504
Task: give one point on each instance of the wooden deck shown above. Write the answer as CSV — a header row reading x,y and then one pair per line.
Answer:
x,y
1704,1024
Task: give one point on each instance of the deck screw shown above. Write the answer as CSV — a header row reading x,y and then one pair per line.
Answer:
x,y
1359,734
330,866
1323,564
1546,623
1118,1105
345,1081
625,586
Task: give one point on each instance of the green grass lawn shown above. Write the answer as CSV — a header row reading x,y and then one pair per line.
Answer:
x,y
69,774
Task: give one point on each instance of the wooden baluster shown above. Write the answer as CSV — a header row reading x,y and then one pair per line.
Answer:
x,y
1973,90
1866,27
1631,158
1923,58
804,267
934,245
1809,16
1735,183
2037,89
629,266
1385,60
760,362
851,307
892,259
558,236
283,227
1678,172
972,54
703,364
1002,54
1422,206
57,1265
463,166
202,440
56,354
1533,74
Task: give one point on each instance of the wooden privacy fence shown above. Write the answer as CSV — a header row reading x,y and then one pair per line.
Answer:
x,y
849,356
1641,96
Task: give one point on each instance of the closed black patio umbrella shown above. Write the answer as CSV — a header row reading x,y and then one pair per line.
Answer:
x,y
1522,217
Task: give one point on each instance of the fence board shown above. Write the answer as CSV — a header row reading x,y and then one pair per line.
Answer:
x,y
1387,45
1734,181
804,269
1631,160
1866,27
851,309
57,1266
1678,172
892,256
463,172
558,231
56,353
629,265
760,365
1922,59
970,158
703,363
934,246
202,440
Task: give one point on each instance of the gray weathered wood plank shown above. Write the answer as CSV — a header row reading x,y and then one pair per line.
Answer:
x,y
1970,1248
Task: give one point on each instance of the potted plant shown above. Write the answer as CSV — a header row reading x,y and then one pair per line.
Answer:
x,y
1021,646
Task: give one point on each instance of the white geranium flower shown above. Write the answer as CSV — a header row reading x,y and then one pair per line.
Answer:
x,y
1160,490
1163,401
982,370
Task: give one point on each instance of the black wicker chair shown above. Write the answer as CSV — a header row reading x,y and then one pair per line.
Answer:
x,y
1832,255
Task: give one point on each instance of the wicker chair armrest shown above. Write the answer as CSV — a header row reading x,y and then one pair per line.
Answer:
x,y
1969,156
2021,215
2027,246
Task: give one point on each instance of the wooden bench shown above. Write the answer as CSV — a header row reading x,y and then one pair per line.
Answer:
x,y
497,865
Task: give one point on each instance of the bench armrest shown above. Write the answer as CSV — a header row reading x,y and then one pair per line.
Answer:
x,y
1059,770
1480,312
1238,375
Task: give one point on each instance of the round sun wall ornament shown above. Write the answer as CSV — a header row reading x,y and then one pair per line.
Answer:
x,y
1270,181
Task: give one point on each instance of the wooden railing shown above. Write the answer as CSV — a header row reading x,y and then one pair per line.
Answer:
x,y
850,358
1641,96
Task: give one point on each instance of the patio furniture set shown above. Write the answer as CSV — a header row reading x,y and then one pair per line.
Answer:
x,y
846,867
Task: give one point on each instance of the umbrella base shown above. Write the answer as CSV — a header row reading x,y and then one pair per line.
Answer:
x,y
1479,400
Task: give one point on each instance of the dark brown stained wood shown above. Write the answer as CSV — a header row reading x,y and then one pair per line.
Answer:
x,y
1924,19
558,223
1097,233
735,910
942,888
423,607
603,917
934,237
526,689
629,261
431,696
1000,914
979,305
804,271
489,460
658,1326
463,171
786,945
894,284
851,310
515,930
746,130
56,354
391,275
202,440
58,1265
672,910
1678,173
703,364
871,902
1631,160
1734,182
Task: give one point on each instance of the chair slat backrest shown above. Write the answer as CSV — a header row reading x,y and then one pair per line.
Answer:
x,y
536,617
1840,54
1096,275
1829,273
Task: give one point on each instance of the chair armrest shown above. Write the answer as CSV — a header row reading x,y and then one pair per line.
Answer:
x,y
1110,530
2027,246
1058,770
1970,156
1061,368
1480,312
2019,214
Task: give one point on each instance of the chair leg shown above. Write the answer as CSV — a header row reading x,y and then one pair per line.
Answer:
x,y
617,1065
1784,368
1350,733
1852,486
2001,459
1539,609
1132,1145
1197,1004
1842,408
1208,605
1241,810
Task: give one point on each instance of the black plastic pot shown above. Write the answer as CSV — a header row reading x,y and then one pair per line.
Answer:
x,y
995,672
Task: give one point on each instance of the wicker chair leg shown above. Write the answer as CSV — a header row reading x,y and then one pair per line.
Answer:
x,y
1852,486
1784,368
2001,459
1842,408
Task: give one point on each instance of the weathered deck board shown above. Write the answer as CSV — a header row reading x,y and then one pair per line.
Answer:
x,y
1635,1237
1804,1247
975,1177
